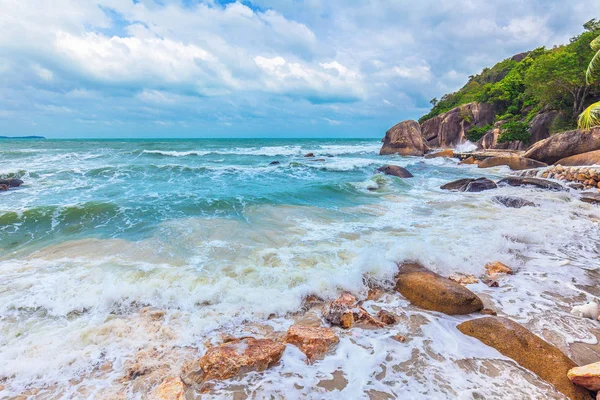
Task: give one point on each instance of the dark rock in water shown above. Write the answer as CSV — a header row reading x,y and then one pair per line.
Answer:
x,y
480,185
330,155
576,186
11,183
537,182
404,139
317,159
458,186
274,163
513,202
590,197
309,155
3,187
395,171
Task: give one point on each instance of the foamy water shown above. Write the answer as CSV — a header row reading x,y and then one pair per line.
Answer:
x,y
223,242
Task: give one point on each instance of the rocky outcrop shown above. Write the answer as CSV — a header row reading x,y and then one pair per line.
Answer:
x,y
513,162
450,129
539,127
470,185
312,341
240,356
587,376
564,145
589,158
489,141
404,139
536,182
395,170
513,202
430,291
528,350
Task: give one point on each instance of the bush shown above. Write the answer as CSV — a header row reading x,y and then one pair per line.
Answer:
x,y
514,131
476,133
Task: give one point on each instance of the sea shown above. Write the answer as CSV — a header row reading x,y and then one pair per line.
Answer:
x,y
125,254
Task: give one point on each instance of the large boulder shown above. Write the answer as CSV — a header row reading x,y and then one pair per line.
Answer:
x,y
539,127
513,202
587,376
528,350
430,291
490,141
447,153
536,182
395,170
450,129
11,182
515,163
589,158
404,139
470,185
564,145
312,341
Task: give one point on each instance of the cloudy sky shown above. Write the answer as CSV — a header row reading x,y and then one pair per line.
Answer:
x,y
283,68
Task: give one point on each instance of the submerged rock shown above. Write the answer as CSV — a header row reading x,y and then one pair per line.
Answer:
x,y
404,139
312,341
240,356
513,202
430,291
592,198
528,350
169,389
497,268
537,182
309,155
395,170
513,162
3,188
11,183
274,163
587,376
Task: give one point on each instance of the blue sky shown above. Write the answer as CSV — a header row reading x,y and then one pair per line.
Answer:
x,y
259,68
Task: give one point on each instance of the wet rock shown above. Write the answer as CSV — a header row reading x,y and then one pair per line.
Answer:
x,y
430,291
11,183
587,376
496,268
448,153
458,186
3,188
341,311
469,161
463,279
488,311
513,202
240,356
387,317
312,341
480,185
576,186
565,145
528,350
491,283
589,310
589,158
274,163
592,198
399,338
537,182
309,155
169,389
513,162
404,139
395,170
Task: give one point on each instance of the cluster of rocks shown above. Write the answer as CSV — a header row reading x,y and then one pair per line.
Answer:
x,y
585,177
10,183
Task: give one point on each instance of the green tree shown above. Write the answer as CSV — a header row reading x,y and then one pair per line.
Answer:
x,y
591,115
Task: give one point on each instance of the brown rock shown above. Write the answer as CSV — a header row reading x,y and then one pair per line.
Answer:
x,y
240,356
497,268
528,350
169,389
589,158
428,290
463,279
3,187
312,341
309,155
387,317
565,145
587,376
459,185
491,282
480,185
469,161
539,127
404,139
513,162
589,197
395,170
488,311
527,181
448,153
399,338
490,141
341,311
347,320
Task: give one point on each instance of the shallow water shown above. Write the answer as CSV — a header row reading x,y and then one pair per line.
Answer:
x,y
221,241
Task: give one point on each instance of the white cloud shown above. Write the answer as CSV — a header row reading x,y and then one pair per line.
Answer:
x,y
43,73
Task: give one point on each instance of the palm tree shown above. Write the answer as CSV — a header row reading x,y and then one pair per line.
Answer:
x,y
591,115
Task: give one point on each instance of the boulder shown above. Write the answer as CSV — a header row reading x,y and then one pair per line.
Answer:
x,y
404,139
312,341
490,141
169,389
309,155
564,145
395,170
587,376
449,129
11,182
430,291
589,197
387,317
528,350
513,202
274,163
539,127
497,268
344,312
458,186
537,182
240,356
3,188
589,158
469,161
448,153
480,185
515,163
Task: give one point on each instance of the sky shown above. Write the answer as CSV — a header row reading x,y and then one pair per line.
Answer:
x,y
256,68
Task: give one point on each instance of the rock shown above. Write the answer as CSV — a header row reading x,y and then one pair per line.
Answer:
x,y
11,183
576,186
240,356
404,139
341,311
312,341
309,155
274,163
513,162
489,141
463,279
386,317
395,170
3,188
468,161
587,376
589,158
491,282
513,202
592,198
458,186
589,310
449,129
537,182
539,127
399,338
528,350
428,290
520,57
480,185
488,311
564,145
448,153
497,268
169,389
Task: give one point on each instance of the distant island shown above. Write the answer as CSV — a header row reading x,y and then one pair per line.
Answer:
x,y
22,137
